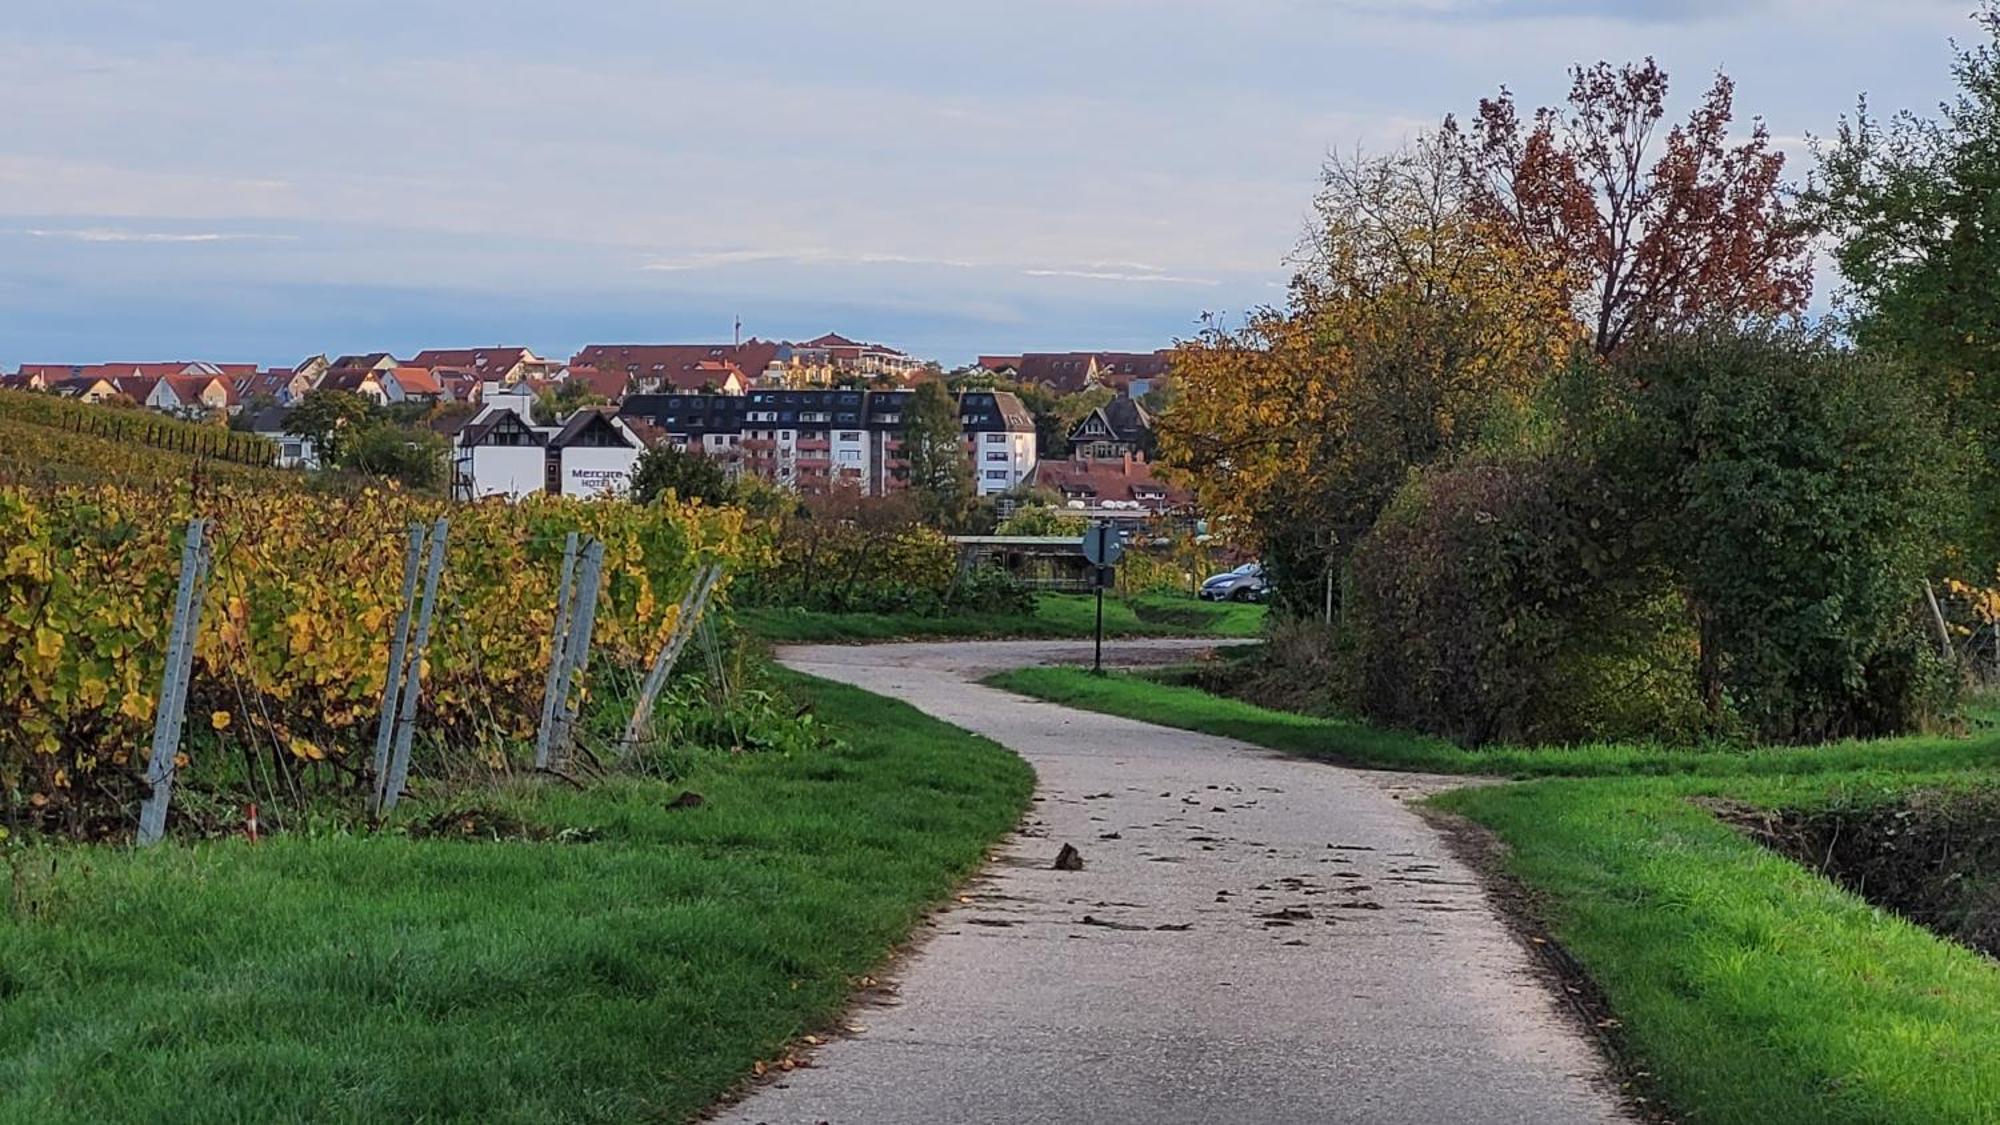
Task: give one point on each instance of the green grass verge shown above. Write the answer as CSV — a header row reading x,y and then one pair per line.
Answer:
x,y
1055,616
384,978
1752,990
1349,743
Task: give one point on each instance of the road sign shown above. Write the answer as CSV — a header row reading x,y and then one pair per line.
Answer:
x,y
1102,545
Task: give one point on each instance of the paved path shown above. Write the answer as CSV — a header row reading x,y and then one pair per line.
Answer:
x,y
1253,939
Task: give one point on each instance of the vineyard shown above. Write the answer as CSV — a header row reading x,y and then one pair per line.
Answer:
x,y
137,427
296,628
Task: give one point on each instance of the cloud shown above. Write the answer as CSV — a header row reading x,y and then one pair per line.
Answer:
x,y
115,234
1112,275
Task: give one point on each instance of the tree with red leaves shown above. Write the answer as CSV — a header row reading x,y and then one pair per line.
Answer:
x,y
1649,233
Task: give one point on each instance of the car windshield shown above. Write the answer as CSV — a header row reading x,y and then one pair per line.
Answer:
x,y
1247,569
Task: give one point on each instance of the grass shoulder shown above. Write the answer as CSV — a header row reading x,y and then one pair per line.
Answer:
x,y
1349,743
1750,988
1055,616
631,962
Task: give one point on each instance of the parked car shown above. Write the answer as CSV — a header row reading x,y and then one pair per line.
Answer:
x,y
1244,584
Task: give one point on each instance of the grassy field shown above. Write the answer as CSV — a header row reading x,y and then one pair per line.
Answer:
x,y
632,967
1750,989
1056,615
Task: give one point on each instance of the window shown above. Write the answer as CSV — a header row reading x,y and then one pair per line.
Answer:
x,y
996,474
996,455
852,456
996,439
850,435
785,435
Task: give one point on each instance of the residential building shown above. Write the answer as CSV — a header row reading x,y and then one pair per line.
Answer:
x,y
502,365
1131,374
294,452
854,358
411,382
1121,489
684,368
812,440
500,452
1120,427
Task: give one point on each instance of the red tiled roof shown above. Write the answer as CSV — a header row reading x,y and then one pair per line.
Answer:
x,y
418,380
999,362
675,364
609,385
1122,479
487,361
1068,372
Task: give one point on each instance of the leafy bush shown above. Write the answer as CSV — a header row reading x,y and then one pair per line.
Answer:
x,y
1486,606
848,553
1798,494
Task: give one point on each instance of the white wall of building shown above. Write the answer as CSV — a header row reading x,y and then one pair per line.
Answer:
x,y
512,471
597,471
1001,461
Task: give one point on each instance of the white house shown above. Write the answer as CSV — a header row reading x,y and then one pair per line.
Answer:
x,y
499,454
594,454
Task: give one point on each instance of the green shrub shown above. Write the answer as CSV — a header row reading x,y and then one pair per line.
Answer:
x,y
1486,606
1798,493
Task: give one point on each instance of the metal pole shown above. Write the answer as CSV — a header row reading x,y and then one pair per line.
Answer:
x,y
584,618
392,684
1097,661
692,606
173,689
399,759
558,650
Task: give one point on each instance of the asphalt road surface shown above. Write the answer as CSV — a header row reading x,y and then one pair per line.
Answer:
x,y
1252,938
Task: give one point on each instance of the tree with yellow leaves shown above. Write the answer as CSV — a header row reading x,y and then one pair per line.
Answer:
x,y
1409,323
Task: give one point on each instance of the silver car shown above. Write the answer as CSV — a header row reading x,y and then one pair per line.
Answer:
x,y
1244,584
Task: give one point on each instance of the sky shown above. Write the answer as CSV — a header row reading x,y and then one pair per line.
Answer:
x,y
240,180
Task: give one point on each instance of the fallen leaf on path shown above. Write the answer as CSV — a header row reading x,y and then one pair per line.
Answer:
x,y
1069,859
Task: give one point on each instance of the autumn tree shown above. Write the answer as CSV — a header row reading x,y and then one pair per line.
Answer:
x,y
940,473
1648,231
1411,316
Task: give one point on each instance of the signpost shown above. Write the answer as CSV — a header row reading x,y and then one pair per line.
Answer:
x,y
1103,546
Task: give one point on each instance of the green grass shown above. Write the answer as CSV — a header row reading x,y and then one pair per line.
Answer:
x,y
1753,990
384,978
1349,743
1055,616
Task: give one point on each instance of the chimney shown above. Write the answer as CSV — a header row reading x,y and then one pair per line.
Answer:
x,y
1128,462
